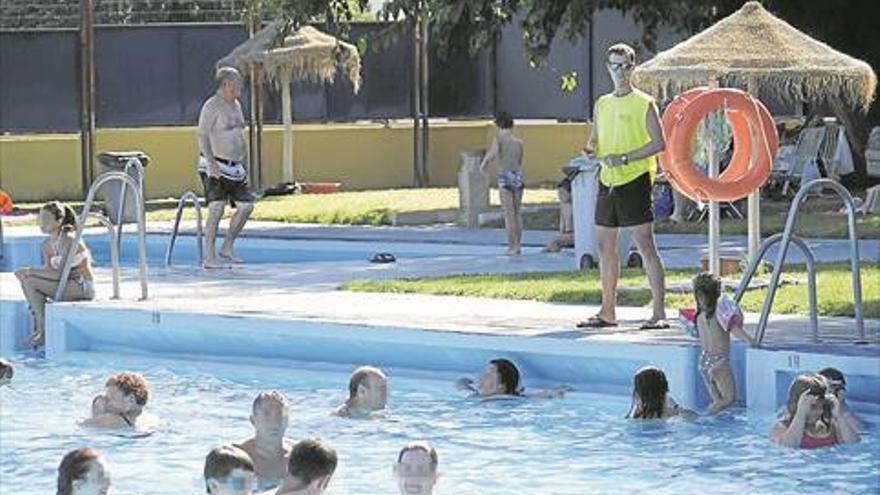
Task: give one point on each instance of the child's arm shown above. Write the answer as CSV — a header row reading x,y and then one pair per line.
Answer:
x,y
551,393
490,155
741,334
792,434
465,384
842,426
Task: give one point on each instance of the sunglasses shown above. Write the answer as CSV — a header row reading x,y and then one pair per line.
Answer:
x,y
619,65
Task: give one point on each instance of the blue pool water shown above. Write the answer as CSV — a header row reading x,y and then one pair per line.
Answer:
x,y
25,250
580,444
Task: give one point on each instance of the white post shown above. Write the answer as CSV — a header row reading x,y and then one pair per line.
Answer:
x,y
754,218
287,139
714,210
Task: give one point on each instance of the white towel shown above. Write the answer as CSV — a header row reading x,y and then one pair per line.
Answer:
x,y
233,170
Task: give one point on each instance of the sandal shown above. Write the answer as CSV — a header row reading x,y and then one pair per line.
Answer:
x,y
383,258
654,325
595,322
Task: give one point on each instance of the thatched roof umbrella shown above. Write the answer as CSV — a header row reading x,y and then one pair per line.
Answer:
x,y
751,49
755,50
307,54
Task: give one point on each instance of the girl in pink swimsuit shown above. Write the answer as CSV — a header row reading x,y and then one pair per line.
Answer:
x,y
811,418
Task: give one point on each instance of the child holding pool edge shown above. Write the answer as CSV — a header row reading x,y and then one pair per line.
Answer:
x,y
716,318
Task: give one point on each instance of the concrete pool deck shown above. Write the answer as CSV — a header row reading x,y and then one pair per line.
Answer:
x,y
309,291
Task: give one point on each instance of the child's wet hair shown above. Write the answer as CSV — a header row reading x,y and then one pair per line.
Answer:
x,y
709,285
504,120
650,387
508,375
6,369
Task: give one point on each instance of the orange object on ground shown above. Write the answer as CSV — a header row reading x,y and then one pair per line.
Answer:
x,y
754,139
5,203
320,187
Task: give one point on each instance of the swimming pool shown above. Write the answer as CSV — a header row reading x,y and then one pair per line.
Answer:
x,y
24,250
580,444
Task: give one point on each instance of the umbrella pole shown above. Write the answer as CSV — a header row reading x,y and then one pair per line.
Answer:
x,y
754,215
287,143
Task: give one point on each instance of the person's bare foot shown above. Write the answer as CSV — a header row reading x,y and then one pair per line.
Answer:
x,y
214,263
231,258
512,252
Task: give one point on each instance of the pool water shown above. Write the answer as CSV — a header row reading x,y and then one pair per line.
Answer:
x,y
579,444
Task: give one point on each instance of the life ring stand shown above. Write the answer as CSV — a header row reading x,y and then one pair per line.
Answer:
x,y
754,137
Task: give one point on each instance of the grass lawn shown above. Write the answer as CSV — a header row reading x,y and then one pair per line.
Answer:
x,y
834,289
377,207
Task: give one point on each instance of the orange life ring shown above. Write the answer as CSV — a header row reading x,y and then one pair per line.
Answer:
x,y
754,137
5,203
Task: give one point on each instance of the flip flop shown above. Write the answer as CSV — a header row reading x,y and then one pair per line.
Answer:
x,y
654,325
383,258
595,322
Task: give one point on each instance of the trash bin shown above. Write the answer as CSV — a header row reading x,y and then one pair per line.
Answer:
x,y
473,187
584,189
122,161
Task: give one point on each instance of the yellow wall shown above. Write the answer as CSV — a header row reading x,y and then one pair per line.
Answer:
x,y
361,156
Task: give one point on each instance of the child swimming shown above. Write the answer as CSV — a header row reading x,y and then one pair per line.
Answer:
x,y
651,398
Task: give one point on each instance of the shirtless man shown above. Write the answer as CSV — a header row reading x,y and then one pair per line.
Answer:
x,y
222,153
311,466
367,392
267,447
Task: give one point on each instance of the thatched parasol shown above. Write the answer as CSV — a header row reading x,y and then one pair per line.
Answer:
x,y
306,55
753,48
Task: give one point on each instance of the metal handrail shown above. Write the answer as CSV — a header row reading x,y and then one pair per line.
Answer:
x,y
133,162
188,195
142,239
786,240
811,281
114,250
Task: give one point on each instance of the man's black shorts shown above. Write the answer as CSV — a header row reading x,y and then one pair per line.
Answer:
x,y
626,205
223,189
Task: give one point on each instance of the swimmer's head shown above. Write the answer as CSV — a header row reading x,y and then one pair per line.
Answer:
x,y
815,384
500,377
707,290
229,471
416,469
367,389
311,466
127,392
83,472
270,414
56,216
649,393
835,381
6,372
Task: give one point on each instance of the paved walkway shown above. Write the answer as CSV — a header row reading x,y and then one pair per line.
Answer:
x,y
309,290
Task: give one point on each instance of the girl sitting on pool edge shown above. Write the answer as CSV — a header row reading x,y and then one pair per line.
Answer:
x,y
500,379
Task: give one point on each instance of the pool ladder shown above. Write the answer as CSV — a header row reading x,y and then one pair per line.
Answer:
x,y
785,239
115,233
188,195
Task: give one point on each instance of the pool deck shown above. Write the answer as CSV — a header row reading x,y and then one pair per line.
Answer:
x,y
298,291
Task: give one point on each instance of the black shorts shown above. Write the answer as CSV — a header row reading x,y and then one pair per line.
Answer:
x,y
223,189
626,205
